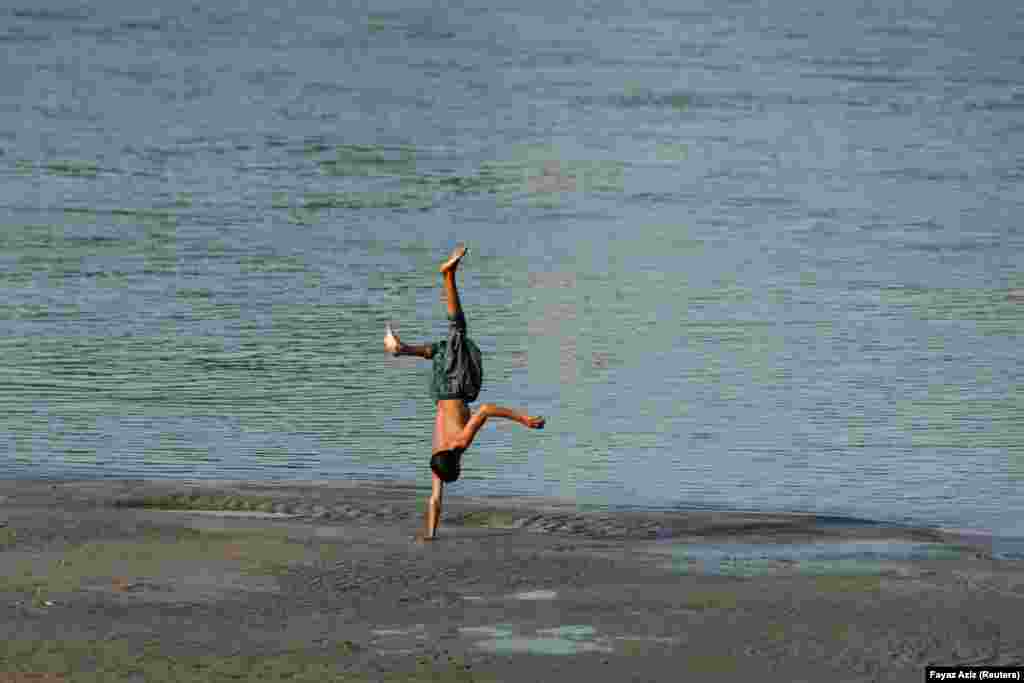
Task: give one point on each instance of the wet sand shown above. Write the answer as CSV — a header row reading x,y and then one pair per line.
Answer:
x,y
210,581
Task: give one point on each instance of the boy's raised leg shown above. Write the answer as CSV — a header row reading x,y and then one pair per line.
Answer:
x,y
448,269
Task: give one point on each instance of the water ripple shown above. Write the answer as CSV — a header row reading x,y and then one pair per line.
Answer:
x,y
769,253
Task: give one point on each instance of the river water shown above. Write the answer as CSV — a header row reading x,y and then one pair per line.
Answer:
x,y
738,255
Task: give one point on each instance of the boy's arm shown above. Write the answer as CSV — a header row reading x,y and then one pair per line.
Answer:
x,y
423,350
394,346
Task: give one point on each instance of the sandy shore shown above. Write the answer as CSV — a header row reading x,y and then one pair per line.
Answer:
x,y
211,581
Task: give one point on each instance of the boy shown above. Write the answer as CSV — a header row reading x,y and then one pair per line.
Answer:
x,y
455,382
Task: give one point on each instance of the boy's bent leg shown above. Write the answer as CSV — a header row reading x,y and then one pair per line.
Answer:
x,y
487,410
509,414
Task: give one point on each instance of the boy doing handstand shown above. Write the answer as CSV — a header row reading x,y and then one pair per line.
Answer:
x,y
455,382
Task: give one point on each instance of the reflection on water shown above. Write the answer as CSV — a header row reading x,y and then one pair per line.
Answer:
x,y
766,262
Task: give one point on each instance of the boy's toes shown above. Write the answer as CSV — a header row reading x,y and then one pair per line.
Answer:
x,y
456,256
536,423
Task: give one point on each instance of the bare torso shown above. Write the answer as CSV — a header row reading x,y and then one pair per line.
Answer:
x,y
452,416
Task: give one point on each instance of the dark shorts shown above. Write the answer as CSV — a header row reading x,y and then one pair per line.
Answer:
x,y
447,465
458,368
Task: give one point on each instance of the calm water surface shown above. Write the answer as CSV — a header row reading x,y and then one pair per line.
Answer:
x,y
766,258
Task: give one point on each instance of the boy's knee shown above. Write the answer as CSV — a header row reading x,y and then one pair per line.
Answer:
x,y
487,409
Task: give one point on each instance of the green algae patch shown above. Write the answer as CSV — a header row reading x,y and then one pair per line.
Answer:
x,y
946,416
451,668
100,661
490,519
367,200
369,160
993,311
302,216
670,151
533,172
634,647
710,600
711,664
181,501
103,660
268,263
848,584
259,553
492,178
849,636
775,632
78,169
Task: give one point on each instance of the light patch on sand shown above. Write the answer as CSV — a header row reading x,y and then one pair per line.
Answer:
x,y
237,513
857,557
574,632
499,631
647,639
471,597
570,639
418,628
738,568
541,646
536,595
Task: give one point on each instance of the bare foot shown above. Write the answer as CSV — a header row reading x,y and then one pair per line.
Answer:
x,y
534,422
421,537
458,252
392,343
